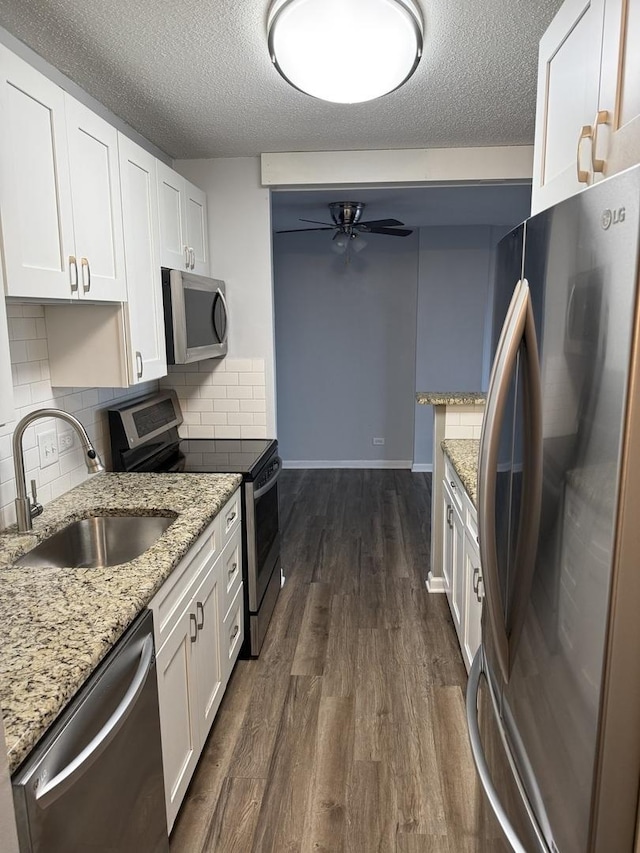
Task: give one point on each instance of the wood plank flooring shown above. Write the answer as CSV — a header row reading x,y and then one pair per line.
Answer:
x,y
348,734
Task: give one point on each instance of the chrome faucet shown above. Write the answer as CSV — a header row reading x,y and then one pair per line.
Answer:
x,y
26,511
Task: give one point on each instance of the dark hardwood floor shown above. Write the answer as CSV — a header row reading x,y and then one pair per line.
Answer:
x,y
348,734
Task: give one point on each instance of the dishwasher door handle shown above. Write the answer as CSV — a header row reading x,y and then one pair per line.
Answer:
x,y
62,781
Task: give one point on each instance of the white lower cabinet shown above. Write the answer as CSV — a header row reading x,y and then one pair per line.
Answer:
x,y
199,637
461,564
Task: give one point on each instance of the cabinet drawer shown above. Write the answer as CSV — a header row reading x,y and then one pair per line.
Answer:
x,y
231,571
174,595
472,522
230,516
454,484
232,633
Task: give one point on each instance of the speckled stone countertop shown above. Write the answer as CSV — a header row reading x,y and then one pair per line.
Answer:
x,y
463,453
56,625
451,398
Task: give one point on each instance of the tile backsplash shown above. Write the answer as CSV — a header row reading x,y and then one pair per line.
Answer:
x,y
221,398
32,390
463,421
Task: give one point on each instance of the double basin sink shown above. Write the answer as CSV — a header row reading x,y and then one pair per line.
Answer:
x,y
98,542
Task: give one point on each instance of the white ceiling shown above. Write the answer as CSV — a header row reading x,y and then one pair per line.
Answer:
x,y
416,207
194,76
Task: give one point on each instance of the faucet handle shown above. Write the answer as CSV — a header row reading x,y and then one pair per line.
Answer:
x,y
36,508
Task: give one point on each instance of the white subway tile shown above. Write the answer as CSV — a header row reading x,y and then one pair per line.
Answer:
x,y
253,431
459,432
5,446
217,392
18,351
41,328
240,392
228,431
240,365
30,310
260,418
226,405
257,365
45,370
259,392
14,309
251,378
194,379
24,329
90,398
173,380
201,431
21,395
41,391
191,418
73,402
226,378
240,419
200,405
214,418
28,372
253,405
452,418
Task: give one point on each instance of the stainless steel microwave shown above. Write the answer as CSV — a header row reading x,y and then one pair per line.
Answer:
x,y
196,320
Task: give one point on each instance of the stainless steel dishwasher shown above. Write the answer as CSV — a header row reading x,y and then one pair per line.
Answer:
x,y
94,783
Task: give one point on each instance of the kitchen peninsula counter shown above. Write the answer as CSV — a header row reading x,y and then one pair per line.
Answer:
x,y
57,624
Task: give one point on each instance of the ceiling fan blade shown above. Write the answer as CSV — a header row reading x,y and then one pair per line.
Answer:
x,y
392,232
379,223
295,230
317,222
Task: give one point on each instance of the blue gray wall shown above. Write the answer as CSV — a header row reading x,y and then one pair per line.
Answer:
x,y
345,348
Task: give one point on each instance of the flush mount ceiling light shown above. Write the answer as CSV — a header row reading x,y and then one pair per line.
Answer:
x,y
345,51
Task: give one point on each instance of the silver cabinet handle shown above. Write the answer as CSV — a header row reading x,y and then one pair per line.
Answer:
x,y
231,518
235,632
476,580
473,687
62,781
449,515
73,273
200,609
233,570
193,624
602,117
186,257
86,286
139,364
519,327
192,255
453,485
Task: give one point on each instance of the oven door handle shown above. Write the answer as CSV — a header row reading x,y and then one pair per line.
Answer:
x,y
270,483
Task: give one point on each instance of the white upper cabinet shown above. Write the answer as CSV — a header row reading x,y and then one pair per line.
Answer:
x,y
59,193
183,223
568,86
146,339
588,112
616,141
35,188
95,198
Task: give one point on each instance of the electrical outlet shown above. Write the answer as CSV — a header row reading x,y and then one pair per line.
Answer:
x,y
48,448
378,441
65,441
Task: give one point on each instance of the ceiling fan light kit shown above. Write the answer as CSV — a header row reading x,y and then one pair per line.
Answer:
x,y
311,42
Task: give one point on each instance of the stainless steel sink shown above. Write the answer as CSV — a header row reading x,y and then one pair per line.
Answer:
x,y
98,542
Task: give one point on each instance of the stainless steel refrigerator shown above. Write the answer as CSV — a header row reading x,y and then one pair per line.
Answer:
x,y
553,699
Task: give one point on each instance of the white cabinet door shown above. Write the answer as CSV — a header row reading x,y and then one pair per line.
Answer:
x,y
457,578
207,649
147,357
197,233
232,634
617,125
447,540
97,207
568,88
474,592
177,696
7,412
35,194
173,228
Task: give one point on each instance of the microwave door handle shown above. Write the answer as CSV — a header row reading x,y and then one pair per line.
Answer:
x,y
226,317
504,363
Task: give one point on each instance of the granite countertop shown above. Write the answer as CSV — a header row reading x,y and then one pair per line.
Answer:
x,y
56,625
463,453
451,398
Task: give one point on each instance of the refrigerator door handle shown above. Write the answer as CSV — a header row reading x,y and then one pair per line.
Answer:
x,y
473,687
484,773
518,327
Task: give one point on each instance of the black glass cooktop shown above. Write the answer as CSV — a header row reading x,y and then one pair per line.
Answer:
x,y
226,455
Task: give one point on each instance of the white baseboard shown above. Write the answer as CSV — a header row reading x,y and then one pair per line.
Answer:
x,y
346,463
419,467
435,584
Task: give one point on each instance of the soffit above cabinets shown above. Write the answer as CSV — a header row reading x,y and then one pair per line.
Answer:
x,y
195,78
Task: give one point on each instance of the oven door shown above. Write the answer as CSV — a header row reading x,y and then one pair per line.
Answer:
x,y
196,317
263,530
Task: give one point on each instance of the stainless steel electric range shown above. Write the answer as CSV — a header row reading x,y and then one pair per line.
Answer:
x,y
144,438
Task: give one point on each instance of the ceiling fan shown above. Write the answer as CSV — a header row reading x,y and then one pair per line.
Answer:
x,y
349,227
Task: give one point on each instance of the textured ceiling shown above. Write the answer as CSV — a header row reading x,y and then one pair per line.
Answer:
x,y
416,207
195,78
